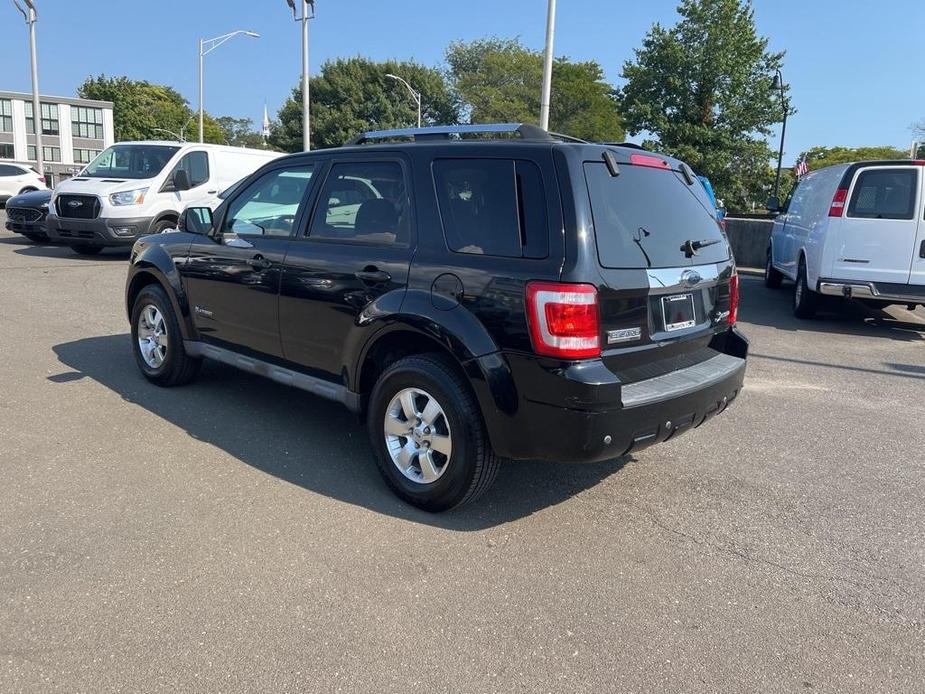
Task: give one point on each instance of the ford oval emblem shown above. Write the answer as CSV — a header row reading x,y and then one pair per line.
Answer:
x,y
690,278
74,203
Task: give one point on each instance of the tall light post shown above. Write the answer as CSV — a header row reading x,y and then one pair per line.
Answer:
x,y
306,119
31,16
206,46
778,84
416,95
546,96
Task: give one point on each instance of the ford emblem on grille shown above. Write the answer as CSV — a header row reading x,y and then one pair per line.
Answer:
x,y
74,203
690,278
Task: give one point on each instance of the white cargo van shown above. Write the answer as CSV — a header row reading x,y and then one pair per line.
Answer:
x,y
853,230
137,188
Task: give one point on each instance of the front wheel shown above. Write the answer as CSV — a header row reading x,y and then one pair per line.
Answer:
x,y
157,342
772,278
427,432
805,300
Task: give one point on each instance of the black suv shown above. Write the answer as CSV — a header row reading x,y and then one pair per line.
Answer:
x,y
478,292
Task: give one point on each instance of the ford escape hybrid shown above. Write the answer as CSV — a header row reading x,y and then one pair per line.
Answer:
x,y
477,292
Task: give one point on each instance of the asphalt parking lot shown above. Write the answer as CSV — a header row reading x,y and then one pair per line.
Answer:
x,y
234,535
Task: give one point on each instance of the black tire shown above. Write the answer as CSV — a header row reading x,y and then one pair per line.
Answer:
x,y
177,367
163,225
84,249
471,467
772,277
28,189
805,300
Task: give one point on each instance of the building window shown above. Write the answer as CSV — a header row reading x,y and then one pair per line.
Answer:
x,y
87,122
84,156
6,116
6,150
49,119
48,153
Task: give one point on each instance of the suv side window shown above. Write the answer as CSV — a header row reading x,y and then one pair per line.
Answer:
x,y
10,170
884,194
269,205
196,164
365,202
492,207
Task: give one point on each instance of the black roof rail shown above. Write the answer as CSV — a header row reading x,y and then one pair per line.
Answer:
x,y
526,131
630,145
568,138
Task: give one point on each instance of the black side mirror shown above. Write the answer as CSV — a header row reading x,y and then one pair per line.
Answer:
x,y
181,180
196,220
773,204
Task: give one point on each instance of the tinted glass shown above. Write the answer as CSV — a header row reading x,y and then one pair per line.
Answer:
x,y
268,206
196,164
492,207
365,202
130,161
7,170
643,216
884,194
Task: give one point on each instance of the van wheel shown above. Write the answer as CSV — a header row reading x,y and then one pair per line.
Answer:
x,y
804,299
162,226
157,342
428,436
83,249
772,278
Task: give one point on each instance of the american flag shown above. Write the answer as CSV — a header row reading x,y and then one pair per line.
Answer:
x,y
801,169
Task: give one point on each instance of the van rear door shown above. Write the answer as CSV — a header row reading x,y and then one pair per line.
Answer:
x,y
917,271
876,237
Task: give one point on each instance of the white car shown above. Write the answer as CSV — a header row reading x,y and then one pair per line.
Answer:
x,y
136,188
16,179
853,230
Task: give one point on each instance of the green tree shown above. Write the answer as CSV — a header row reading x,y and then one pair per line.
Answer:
x,y
820,157
143,110
703,89
239,132
353,95
498,80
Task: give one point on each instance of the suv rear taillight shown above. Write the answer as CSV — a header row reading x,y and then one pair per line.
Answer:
x,y
838,202
563,319
734,298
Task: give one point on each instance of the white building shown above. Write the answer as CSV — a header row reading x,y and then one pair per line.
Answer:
x,y
73,131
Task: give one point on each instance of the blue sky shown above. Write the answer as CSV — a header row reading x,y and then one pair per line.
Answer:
x,y
856,67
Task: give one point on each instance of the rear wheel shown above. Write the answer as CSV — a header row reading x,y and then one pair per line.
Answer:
x,y
805,300
157,342
163,225
427,432
772,278
84,249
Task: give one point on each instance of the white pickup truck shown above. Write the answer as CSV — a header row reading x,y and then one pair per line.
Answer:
x,y
853,230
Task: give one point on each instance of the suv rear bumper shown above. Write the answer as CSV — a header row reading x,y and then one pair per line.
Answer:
x,y
615,419
97,232
878,291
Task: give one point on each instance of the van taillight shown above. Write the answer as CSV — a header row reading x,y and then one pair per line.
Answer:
x,y
838,202
734,298
563,319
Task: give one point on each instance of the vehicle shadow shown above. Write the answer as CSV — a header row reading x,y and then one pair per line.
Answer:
x,y
773,308
51,250
309,442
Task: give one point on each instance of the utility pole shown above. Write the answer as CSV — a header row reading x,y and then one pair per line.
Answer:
x,y
31,16
306,113
547,65
778,84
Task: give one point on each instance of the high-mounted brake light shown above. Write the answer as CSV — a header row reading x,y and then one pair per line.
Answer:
x,y
563,319
646,160
838,202
734,298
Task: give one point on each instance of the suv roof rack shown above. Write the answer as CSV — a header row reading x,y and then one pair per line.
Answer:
x,y
526,131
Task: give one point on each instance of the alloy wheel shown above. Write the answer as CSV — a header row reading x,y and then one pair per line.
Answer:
x,y
152,336
417,435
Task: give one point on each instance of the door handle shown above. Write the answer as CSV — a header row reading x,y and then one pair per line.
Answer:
x,y
259,262
922,250
373,275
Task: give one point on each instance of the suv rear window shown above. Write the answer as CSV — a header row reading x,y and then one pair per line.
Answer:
x,y
884,194
643,216
492,207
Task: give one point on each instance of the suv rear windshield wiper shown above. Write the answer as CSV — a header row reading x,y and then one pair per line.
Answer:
x,y
690,247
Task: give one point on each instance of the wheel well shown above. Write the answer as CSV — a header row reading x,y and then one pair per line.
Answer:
x,y
171,216
28,189
397,345
139,282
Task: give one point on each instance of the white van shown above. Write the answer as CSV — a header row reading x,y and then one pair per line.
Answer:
x,y
853,230
137,188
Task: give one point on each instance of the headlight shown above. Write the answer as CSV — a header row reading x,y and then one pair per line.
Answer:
x,y
128,197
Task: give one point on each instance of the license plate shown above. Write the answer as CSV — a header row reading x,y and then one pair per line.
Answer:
x,y
678,312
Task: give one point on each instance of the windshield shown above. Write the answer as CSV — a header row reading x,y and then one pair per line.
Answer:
x,y
644,216
130,161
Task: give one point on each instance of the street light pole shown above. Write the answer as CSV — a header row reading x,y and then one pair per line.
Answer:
x,y
203,51
546,96
778,83
306,110
416,95
31,16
